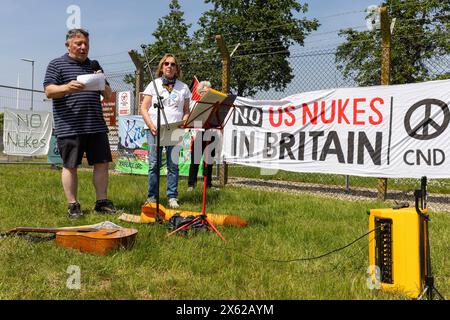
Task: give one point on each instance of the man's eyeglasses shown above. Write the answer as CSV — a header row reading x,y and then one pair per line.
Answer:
x,y
172,64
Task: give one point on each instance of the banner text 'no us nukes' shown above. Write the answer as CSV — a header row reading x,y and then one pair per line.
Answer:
x,y
383,131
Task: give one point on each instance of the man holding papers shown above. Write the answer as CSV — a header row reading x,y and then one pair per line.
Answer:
x,y
75,83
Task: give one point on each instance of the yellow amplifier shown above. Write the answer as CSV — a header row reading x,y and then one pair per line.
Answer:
x,y
395,249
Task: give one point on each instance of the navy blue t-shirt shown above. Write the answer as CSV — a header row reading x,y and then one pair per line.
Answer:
x,y
75,113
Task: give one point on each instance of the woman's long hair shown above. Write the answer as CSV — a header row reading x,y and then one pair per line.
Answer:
x,y
159,71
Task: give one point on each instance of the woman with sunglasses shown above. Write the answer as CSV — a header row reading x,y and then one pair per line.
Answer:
x,y
175,96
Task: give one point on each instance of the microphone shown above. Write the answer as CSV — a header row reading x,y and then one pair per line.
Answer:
x,y
96,66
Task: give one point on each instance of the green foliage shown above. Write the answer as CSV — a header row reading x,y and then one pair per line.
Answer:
x,y
171,36
421,34
281,227
265,30
1,122
172,33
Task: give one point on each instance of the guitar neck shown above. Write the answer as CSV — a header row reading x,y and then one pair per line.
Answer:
x,y
50,230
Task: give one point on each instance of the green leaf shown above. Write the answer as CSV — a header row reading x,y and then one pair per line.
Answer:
x,y
420,36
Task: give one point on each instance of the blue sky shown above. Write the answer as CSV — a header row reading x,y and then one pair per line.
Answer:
x,y
36,30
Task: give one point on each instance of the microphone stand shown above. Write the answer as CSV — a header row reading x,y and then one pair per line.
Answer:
x,y
159,105
427,276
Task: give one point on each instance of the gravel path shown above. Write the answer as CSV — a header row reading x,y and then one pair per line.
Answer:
x,y
436,202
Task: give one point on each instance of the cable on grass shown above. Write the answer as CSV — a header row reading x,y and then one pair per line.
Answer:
x,y
304,259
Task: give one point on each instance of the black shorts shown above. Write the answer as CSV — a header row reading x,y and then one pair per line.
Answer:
x,y
96,146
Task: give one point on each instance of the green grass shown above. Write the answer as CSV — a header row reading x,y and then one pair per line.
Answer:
x,y
281,227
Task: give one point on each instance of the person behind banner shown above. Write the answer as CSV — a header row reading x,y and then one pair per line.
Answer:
x,y
196,153
175,96
79,124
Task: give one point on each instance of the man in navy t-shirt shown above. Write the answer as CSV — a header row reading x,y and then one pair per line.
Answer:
x,y
79,124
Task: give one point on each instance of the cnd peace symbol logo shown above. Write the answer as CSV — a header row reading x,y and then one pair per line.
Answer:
x,y
427,128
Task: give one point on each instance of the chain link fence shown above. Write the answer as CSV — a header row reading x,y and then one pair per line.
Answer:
x,y
21,99
117,83
316,70
313,70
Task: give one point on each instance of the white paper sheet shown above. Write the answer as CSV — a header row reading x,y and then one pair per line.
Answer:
x,y
93,82
173,135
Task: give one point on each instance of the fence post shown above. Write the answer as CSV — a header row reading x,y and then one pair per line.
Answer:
x,y
139,81
223,171
385,77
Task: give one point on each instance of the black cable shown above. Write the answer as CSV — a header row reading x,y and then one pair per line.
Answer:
x,y
339,267
304,259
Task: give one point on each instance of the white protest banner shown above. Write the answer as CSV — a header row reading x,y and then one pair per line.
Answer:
x,y
27,133
398,131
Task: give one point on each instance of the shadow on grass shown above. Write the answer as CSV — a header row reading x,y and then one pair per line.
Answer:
x,y
254,221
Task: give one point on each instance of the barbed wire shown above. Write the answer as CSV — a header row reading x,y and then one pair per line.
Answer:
x,y
415,5
267,45
117,62
304,39
268,41
310,51
109,55
341,14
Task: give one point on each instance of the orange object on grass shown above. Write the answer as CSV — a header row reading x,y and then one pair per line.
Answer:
x,y
148,215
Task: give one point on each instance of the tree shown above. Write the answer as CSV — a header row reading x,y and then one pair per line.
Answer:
x,y
171,35
420,38
265,30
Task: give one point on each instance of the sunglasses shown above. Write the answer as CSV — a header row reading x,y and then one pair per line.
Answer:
x,y
172,64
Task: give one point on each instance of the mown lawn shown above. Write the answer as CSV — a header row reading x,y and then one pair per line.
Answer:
x,y
251,265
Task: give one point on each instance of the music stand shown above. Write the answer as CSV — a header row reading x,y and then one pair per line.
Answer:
x,y
208,113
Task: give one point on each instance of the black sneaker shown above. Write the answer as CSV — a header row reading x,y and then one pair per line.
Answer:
x,y
105,206
75,211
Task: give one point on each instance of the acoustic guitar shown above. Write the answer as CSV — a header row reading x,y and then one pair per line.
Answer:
x,y
92,240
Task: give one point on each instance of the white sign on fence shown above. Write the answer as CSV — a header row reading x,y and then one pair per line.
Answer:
x,y
396,131
124,103
26,133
